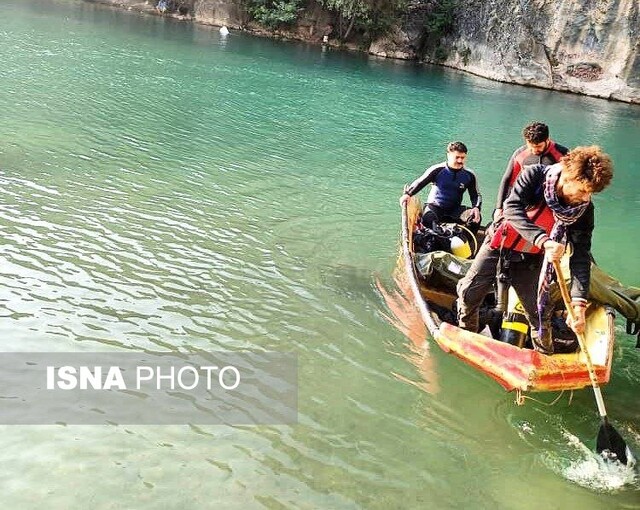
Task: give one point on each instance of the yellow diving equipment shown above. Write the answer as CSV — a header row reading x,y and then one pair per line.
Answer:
x,y
460,248
514,322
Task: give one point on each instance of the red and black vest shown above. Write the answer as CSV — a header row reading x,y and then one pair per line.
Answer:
x,y
507,237
518,164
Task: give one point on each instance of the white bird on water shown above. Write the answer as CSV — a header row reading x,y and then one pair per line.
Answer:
x,y
224,30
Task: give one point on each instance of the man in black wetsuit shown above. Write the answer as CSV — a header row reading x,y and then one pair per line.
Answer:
x,y
538,149
449,180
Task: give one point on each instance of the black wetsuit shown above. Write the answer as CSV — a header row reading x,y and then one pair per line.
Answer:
x,y
444,202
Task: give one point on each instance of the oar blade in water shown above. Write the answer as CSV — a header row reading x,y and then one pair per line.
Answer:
x,y
610,444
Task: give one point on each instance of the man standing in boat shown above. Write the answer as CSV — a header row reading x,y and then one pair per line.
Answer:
x,y
538,149
450,180
548,206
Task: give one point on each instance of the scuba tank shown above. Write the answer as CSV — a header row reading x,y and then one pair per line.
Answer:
x,y
461,241
450,237
515,325
460,248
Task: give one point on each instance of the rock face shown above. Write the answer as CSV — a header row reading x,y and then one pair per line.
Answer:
x,y
586,46
406,40
219,12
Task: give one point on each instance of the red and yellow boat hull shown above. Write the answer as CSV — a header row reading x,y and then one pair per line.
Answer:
x,y
528,370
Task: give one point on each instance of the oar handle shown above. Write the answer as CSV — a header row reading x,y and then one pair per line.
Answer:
x,y
581,340
566,297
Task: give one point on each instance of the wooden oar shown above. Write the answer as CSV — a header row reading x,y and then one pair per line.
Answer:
x,y
609,442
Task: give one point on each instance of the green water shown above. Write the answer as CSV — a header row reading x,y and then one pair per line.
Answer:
x,y
163,188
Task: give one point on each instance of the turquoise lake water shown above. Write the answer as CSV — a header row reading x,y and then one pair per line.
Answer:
x,y
163,188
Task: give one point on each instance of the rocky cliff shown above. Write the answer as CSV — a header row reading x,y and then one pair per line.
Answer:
x,y
589,47
586,46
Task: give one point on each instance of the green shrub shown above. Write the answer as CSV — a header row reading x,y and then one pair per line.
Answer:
x,y
437,25
367,18
465,53
440,54
274,14
441,20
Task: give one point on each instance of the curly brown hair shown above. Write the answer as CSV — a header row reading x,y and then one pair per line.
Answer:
x,y
536,132
590,166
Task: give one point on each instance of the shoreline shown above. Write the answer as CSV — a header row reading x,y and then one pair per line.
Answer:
x,y
146,7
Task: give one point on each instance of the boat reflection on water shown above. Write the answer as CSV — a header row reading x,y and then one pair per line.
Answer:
x,y
405,317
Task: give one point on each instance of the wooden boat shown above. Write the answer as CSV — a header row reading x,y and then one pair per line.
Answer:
x,y
514,368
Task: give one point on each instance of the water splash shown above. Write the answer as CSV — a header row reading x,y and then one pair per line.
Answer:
x,y
593,472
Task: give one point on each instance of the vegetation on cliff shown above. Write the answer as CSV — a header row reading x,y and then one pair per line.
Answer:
x,y
356,22
364,19
273,14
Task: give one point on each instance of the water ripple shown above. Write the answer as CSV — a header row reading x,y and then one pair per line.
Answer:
x,y
162,190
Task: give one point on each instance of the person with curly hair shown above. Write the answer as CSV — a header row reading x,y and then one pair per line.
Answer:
x,y
547,207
